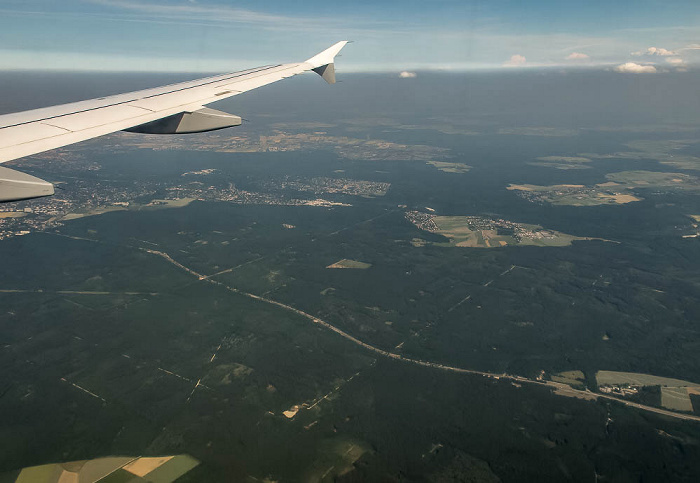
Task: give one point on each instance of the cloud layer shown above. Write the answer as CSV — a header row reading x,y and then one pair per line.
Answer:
x,y
222,34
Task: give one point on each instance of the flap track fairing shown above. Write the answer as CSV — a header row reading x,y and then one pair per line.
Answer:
x,y
203,120
16,186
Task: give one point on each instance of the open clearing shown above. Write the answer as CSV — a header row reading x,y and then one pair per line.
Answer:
x,y
609,193
561,162
483,232
450,167
345,263
572,378
12,214
675,393
637,379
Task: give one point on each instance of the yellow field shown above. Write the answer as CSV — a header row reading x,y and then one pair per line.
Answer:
x,y
12,214
620,199
163,469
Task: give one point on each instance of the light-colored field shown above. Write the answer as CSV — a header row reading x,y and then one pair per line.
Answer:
x,y
143,466
450,167
524,187
638,379
345,263
158,204
668,152
96,211
616,191
461,234
12,214
611,193
653,179
291,412
695,217
676,398
562,162
163,469
620,199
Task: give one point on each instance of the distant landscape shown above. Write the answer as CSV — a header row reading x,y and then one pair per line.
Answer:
x,y
338,293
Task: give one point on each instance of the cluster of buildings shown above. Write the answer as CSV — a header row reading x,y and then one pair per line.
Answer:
x,y
336,185
616,390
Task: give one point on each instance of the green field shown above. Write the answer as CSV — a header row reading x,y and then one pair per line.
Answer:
x,y
575,379
636,379
576,195
562,162
653,179
448,167
484,233
676,398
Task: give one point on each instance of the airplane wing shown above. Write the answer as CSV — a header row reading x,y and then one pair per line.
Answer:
x,y
172,109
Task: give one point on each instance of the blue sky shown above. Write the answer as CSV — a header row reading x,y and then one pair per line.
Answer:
x,y
389,35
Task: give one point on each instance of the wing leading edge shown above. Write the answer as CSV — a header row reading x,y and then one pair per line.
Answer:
x,y
171,109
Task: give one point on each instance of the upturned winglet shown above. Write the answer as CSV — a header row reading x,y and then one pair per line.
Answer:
x,y
323,63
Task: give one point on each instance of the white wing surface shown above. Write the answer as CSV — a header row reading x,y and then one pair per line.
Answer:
x,y
176,108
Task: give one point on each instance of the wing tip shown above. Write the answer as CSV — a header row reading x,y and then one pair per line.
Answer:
x,y
327,56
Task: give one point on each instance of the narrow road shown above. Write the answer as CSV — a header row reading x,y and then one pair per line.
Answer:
x,y
74,292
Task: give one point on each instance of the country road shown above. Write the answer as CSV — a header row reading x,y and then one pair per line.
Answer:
x,y
558,388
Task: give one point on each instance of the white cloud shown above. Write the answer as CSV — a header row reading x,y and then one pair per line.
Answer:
x,y
408,75
660,51
516,60
675,61
577,56
632,68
